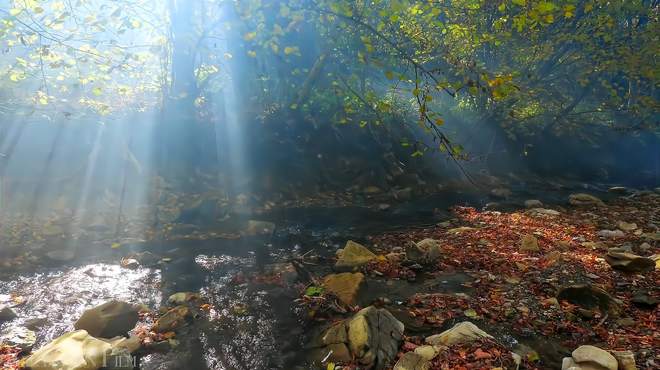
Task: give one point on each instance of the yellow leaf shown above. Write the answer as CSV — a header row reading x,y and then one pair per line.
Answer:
x,y
249,36
115,245
252,53
15,11
331,366
291,50
389,75
439,121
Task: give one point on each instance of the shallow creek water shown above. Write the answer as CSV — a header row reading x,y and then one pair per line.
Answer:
x,y
266,333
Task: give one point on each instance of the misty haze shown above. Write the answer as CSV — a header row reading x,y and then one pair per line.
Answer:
x,y
329,184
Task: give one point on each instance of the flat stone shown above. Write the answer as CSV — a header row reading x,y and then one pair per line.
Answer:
x,y
463,332
345,286
611,234
533,203
629,262
591,354
618,190
72,351
412,361
543,212
462,229
582,199
625,226
354,255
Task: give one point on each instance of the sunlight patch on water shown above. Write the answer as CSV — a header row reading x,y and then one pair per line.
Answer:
x,y
62,296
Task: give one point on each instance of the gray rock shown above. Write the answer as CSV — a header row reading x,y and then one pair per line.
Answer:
x,y
533,203
618,190
412,361
644,300
629,262
590,297
611,234
374,336
7,314
543,212
111,319
582,199
424,251
35,323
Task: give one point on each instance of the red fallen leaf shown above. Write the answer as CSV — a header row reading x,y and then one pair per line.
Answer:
x,y
480,354
409,346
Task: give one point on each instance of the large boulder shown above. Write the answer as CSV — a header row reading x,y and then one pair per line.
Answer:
x,y
463,332
629,262
590,358
582,199
72,351
374,336
353,255
111,319
345,286
371,337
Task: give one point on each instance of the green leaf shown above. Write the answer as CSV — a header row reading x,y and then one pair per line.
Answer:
x,y
389,75
314,291
97,91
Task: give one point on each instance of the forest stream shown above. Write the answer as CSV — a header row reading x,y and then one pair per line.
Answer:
x,y
262,298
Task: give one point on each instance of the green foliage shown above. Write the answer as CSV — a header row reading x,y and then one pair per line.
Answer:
x,y
527,65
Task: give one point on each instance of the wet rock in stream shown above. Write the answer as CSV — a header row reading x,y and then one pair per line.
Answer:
x,y
372,337
345,286
353,255
72,351
111,319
